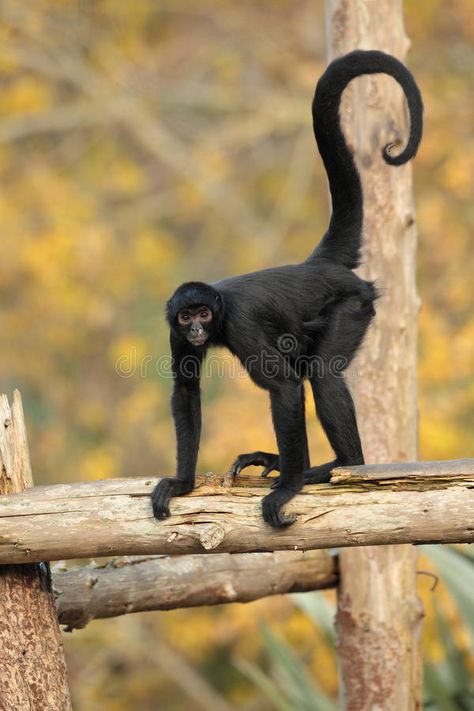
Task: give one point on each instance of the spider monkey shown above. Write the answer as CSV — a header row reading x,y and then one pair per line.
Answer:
x,y
277,319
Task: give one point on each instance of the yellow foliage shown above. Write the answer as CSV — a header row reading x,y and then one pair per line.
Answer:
x,y
142,404
127,177
439,439
92,415
26,95
457,174
127,354
100,463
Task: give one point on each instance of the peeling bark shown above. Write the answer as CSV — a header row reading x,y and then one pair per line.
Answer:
x,y
32,665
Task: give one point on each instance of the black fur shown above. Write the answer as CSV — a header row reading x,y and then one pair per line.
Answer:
x,y
343,238
195,292
289,323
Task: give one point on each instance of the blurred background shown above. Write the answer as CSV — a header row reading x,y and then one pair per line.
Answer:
x,y
143,144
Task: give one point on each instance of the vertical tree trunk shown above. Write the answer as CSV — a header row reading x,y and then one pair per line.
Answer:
x,y
379,614
32,665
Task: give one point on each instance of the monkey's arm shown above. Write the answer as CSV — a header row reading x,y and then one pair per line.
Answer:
x,y
186,409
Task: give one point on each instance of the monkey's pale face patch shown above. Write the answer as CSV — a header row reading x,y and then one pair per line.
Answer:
x,y
195,322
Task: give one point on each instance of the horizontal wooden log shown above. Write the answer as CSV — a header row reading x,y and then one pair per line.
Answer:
x,y
144,583
400,474
114,517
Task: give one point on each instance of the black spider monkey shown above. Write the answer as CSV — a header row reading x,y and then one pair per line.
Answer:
x,y
276,320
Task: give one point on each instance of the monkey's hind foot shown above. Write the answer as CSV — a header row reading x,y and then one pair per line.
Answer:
x,y
320,474
271,462
163,492
271,506
314,475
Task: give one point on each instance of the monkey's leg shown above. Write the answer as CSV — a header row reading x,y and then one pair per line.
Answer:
x,y
336,412
290,430
270,461
314,475
346,328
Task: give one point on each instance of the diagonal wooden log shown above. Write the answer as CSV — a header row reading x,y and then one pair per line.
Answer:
x,y
403,503
142,583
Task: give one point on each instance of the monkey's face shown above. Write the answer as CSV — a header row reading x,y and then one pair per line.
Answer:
x,y
195,324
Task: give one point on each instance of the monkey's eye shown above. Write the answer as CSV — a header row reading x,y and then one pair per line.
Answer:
x,y
204,314
184,318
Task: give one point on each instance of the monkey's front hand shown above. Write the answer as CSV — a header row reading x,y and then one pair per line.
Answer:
x,y
272,504
162,493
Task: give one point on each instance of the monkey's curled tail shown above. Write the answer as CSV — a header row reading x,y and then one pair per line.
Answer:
x,y
342,241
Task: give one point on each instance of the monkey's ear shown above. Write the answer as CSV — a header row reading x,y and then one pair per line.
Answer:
x,y
219,311
170,311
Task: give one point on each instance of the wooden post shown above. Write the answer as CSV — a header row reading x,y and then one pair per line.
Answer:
x,y
379,614
32,665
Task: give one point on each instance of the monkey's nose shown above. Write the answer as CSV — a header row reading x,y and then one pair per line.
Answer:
x,y
196,329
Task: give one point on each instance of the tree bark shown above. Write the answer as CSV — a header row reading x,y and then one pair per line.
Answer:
x,y
379,613
161,583
114,517
32,666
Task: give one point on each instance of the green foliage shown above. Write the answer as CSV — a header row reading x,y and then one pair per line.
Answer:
x,y
449,684
289,684
456,567
320,611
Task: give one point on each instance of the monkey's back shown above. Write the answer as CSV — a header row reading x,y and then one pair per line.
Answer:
x,y
263,307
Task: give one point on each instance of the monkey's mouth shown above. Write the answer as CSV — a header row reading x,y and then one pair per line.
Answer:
x,y
197,340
